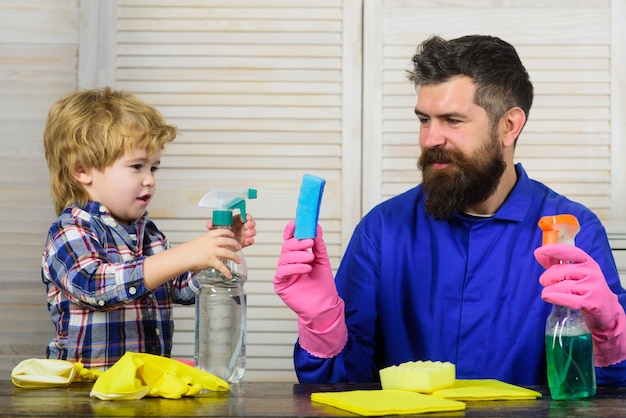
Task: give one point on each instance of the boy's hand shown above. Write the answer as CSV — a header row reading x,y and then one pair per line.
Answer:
x,y
244,232
206,251
211,248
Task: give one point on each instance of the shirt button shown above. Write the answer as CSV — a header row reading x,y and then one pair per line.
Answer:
x,y
101,302
102,209
132,290
157,331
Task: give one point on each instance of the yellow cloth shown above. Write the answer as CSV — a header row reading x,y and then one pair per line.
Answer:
x,y
485,390
44,373
386,402
136,375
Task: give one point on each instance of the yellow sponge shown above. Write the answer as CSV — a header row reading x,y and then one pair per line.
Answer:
x,y
418,376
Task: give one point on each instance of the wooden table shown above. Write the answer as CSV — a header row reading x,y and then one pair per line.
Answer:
x,y
251,399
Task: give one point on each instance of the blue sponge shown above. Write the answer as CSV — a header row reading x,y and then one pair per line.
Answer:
x,y
309,203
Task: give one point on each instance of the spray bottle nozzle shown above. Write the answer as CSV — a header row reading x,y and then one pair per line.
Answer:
x,y
224,202
559,228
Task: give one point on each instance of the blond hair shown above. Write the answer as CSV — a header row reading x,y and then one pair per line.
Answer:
x,y
92,129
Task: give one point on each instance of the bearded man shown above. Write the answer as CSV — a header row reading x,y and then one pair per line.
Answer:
x,y
454,269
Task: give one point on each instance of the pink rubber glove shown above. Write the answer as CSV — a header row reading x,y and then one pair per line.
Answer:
x,y
578,283
304,281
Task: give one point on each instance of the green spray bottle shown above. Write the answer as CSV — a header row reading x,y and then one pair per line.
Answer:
x,y
569,347
220,323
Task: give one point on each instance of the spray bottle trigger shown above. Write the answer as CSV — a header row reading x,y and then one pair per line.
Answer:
x,y
238,203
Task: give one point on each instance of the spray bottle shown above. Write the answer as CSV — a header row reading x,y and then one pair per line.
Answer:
x,y
220,324
569,348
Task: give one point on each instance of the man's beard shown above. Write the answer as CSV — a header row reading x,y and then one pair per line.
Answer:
x,y
467,181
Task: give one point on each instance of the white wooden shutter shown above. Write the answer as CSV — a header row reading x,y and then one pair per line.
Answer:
x,y
38,50
569,142
256,90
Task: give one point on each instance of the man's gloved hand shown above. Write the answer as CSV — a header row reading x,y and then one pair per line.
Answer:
x,y
579,283
304,281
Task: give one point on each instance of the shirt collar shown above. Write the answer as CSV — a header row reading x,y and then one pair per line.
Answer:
x,y
99,210
519,200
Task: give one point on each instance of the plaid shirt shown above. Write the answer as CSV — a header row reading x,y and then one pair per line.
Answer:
x,y
93,272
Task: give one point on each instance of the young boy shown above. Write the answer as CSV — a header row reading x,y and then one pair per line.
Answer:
x,y
110,274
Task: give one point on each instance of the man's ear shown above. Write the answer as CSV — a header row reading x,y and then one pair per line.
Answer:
x,y
81,175
512,123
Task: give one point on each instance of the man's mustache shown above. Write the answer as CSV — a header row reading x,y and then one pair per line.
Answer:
x,y
437,155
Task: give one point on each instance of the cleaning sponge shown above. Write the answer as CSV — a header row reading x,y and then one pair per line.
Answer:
x,y
309,203
418,376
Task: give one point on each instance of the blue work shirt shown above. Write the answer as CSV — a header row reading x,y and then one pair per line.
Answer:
x,y
464,290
